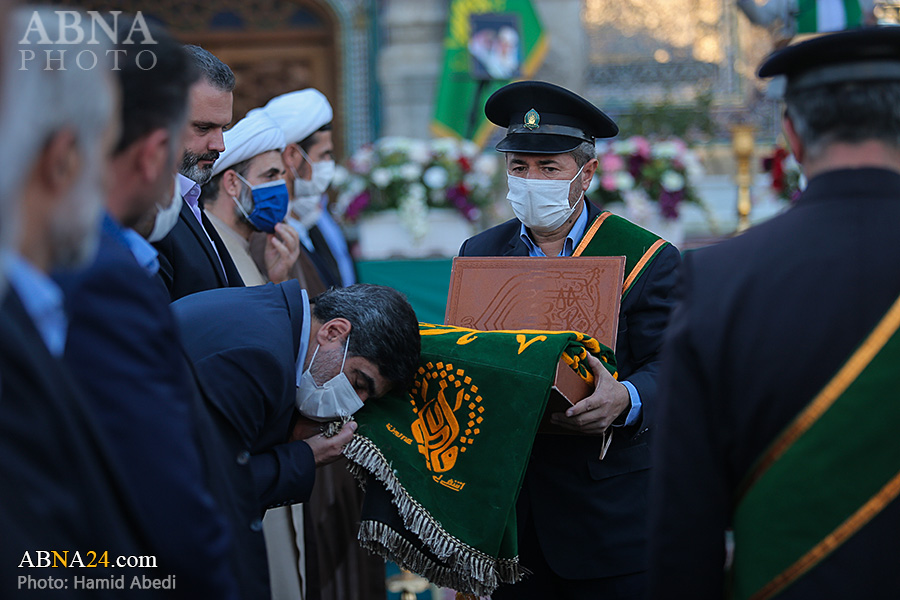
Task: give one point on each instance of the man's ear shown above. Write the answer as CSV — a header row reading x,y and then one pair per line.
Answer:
x,y
335,329
61,161
291,156
153,156
299,162
587,173
793,140
230,183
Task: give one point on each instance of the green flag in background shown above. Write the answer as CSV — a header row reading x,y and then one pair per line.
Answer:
x,y
443,463
460,100
819,16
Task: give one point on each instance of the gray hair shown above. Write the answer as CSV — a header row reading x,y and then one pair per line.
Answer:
x,y
212,70
37,103
850,112
584,153
385,328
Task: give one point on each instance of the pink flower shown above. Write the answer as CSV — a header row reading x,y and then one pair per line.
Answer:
x,y
641,146
608,182
611,162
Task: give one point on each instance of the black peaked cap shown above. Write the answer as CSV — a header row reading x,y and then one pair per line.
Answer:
x,y
863,54
542,118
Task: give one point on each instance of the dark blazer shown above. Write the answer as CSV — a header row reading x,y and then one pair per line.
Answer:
x,y
325,262
123,349
244,344
766,321
188,263
590,515
59,490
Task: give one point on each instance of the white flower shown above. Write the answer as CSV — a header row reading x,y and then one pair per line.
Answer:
x,y
341,176
672,181
624,181
417,191
435,177
692,166
477,181
410,171
790,163
447,147
664,150
470,148
638,207
381,177
392,144
413,214
486,164
419,152
624,147
362,160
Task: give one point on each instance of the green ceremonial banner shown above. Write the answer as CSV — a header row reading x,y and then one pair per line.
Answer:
x,y
460,100
444,462
818,16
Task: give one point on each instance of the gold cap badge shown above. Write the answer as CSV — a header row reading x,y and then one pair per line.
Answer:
x,y
532,119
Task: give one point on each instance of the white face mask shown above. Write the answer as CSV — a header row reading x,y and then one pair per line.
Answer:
x,y
166,217
541,204
306,208
332,400
322,174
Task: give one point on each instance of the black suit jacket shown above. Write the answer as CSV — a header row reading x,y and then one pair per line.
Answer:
x,y
58,488
244,344
124,351
188,263
766,321
590,515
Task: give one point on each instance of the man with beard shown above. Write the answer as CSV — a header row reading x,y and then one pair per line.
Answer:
x,y
193,257
272,379
59,488
123,347
247,194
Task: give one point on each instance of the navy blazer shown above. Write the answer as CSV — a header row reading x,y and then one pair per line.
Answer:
x,y
59,488
244,344
188,263
590,515
766,320
123,349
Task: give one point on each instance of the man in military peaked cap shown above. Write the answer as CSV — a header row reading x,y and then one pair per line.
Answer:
x,y
582,527
778,412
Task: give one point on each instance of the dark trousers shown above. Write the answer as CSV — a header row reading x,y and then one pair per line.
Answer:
x,y
544,584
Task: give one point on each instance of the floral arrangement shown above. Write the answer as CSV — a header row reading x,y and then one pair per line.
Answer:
x,y
647,176
413,176
784,171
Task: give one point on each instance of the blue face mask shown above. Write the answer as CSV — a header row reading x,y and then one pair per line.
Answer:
x,y
270,204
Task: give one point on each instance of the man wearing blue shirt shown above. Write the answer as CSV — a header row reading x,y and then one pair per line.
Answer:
x,y
59,487
123,347
582,513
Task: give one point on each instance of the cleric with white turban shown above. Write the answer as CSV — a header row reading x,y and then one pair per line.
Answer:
x,y
305,116
254,134
300,113
247,194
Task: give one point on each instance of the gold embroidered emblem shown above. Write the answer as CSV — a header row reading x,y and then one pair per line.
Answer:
x,y
532,119
442,399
